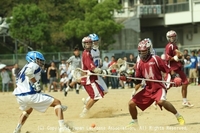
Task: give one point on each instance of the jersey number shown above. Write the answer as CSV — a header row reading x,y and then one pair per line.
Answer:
x,y
149,75
21,75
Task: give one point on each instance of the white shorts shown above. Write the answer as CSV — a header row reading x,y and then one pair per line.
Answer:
x,y
38,101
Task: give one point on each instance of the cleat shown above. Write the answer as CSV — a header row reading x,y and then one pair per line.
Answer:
x,y
181,120
77,91
132,124
63,107
187,104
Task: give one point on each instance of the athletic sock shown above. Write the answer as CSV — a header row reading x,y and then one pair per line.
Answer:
x,y
61,123
177,115
184,100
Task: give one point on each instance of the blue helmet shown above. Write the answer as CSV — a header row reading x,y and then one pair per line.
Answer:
x,y
35,56
94,37
95,40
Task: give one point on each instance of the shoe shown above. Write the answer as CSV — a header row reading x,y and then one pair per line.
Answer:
x,y
187,104
15,131
77,91
63,107
181,120
64,130
132,124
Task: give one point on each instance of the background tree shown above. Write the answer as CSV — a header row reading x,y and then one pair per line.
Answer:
x,y
29,25
97,18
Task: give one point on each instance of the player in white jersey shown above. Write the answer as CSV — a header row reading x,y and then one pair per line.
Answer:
x,y
97,61
75,62
28,92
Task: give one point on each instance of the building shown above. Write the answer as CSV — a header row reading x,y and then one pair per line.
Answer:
x,y
153,18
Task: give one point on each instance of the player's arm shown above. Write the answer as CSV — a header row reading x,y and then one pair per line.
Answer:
x,y
30,74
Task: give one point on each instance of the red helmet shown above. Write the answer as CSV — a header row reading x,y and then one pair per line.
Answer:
x,y
86,40
144,47
170,34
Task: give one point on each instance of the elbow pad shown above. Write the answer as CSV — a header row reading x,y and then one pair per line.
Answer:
x,y
29,73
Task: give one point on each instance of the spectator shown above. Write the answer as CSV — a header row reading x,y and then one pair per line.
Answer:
x,y
186,61
64,80
63,66
14,75
130,70
193,68
44,79
5,79
105,67
198,71
52,75
114,80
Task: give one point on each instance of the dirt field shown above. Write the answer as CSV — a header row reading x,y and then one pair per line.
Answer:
x,y
110,114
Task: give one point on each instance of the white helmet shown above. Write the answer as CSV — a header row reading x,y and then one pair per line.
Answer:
x,y
86,40
170,34
144,47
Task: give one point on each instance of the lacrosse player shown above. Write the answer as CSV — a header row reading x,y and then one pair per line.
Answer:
x,y
150,67
92,87
28,92
172,59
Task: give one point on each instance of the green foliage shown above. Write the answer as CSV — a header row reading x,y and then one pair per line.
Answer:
x,y
29,23
98,18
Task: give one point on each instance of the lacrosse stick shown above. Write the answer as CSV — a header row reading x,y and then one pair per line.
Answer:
x,y
79,73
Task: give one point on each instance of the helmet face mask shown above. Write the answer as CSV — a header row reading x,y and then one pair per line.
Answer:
x,y
87,43
171,36
95,40
36,57
144,49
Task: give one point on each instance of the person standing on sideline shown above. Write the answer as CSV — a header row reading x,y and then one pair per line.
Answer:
x,y
75,62
14,74
105,67
52,75
29,96
198,70
193,68
5,80
175,64
150,67
93,88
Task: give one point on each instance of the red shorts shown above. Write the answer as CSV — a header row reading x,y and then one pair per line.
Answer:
x,y
94,91
182,76
144,99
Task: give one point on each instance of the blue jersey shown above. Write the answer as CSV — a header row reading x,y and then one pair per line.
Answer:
x,y
194,61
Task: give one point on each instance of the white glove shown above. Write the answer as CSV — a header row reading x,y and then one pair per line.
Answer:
x,y
176,58
36,86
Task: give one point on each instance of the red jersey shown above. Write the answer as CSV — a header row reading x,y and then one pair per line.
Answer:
x,y
151,69
88,64
169,53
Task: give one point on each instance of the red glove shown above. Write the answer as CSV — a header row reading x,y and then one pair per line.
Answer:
x,y
177,81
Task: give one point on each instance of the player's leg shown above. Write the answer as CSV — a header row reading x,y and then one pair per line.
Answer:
x,y
142,101
184,88
95,94
160,97
22,119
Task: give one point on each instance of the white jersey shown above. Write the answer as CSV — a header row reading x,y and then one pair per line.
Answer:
x,y
24,85
96,57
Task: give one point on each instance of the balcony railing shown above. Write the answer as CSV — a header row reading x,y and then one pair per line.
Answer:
x,y
178,7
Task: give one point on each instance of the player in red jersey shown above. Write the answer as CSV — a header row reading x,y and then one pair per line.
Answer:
x,y
173,60
150,67
94,90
